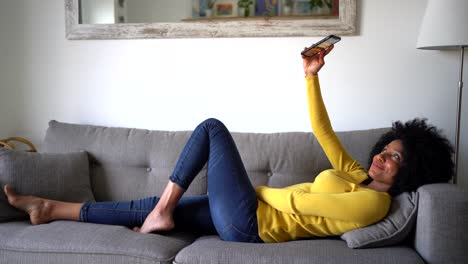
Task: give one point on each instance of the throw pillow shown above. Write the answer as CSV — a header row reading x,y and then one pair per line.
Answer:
x,y
63,177
391,230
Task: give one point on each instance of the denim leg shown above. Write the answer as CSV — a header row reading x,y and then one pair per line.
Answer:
x,y
232,199
191,213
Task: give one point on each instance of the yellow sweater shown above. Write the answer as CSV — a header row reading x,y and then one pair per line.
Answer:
x,y
333,204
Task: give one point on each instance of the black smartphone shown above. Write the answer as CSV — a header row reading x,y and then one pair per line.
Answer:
x,y
323,44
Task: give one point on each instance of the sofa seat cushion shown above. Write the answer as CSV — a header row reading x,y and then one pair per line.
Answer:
x,y
305,251
78,242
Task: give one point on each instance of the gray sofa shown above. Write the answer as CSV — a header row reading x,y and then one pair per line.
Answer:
x,y
134,163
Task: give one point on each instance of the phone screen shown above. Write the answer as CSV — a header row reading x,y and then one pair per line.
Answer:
x,y
323,44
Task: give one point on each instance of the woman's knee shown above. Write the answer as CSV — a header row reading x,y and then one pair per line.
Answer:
x,y
212,124
212,121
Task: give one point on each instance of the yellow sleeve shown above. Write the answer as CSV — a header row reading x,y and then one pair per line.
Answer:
x,y
363,207
323,131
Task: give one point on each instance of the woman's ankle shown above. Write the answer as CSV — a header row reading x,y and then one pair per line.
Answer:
x,y
169,198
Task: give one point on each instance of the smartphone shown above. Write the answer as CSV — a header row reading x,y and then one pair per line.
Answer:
x,y
323,44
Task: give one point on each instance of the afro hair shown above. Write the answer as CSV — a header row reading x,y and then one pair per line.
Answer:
x,y
427,155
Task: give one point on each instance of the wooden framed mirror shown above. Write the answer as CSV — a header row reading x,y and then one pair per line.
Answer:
x,y
276,25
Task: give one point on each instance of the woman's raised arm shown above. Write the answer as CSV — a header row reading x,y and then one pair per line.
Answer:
x,y
321,126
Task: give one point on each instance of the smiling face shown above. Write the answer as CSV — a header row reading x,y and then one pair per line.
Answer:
x,y
387,163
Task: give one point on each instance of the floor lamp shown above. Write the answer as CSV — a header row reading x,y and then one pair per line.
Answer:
x,y
444,27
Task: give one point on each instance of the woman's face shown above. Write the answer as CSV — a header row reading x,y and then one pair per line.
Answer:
x,y
386,164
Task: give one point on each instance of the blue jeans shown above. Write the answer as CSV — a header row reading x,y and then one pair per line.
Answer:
x,y
230,207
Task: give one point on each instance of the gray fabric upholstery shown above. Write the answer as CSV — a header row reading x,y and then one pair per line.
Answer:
x,y
11,256
213,250
62,177
442,224
133,163
125,163
393,229
74,242
283,159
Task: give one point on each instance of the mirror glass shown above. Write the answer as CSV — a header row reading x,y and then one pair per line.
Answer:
x,y
172,11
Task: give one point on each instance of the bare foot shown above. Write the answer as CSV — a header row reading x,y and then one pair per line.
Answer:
x,y
156,221
39,209
160,218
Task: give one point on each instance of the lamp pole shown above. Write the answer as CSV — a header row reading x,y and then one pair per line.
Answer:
x,y
457,128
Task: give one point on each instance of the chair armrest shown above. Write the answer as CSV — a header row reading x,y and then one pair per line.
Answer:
x,y
442,224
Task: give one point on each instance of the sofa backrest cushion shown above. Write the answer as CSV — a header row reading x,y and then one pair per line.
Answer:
x,y
127,163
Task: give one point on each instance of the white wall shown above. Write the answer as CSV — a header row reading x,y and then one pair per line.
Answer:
x,y
252,84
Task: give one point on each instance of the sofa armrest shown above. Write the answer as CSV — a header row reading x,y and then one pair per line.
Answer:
x,y
442,224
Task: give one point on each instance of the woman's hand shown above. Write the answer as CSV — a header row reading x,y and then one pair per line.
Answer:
x,y
312,65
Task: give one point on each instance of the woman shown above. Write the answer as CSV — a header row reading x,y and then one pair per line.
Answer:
x,y
344,198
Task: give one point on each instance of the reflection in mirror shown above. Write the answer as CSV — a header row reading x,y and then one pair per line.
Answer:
x,y
134,19
166,11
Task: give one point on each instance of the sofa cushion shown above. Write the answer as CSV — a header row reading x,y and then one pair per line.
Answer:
x,y
62,177
128,163
125,163
393,229
305,251
76,242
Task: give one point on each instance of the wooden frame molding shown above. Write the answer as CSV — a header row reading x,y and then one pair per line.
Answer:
x,y
345,24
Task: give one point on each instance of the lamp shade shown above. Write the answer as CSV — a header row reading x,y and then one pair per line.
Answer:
x,y
445,25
